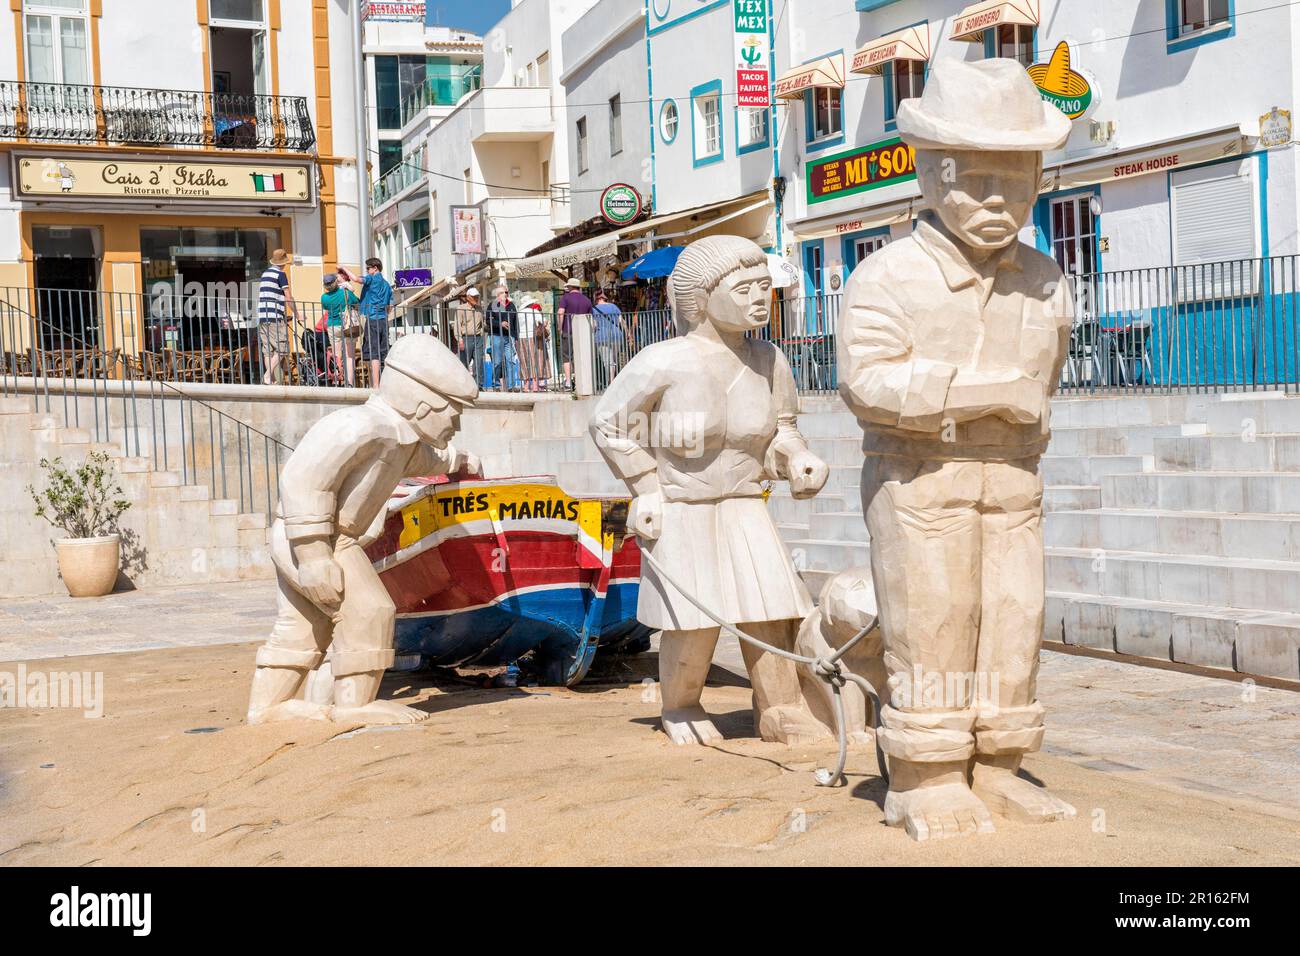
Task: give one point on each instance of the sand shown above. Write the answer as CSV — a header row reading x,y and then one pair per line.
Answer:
x,y
530,776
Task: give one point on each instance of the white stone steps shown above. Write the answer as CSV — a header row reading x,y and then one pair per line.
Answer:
x,y
1235,453
1219,491
1273,537
1090,469
1071,497
1261,643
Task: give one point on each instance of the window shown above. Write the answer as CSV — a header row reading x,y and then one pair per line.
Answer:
x,y
1202,14
615,125
582,145
544,68
433,211
863,247
909,82
706,122
247,10
388,99
828,117
751,129
390,154
57,49
1013,41
668,121
469,188
1215,220
239,48
1074,235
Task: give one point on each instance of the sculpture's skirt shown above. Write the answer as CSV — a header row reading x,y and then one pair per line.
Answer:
x,y
729,555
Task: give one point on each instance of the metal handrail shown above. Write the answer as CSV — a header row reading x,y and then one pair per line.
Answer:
x,y
84,113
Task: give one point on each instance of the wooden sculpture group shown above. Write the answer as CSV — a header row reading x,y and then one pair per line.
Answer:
x,y
950,343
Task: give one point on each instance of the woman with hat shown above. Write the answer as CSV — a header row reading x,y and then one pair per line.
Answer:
x,y
338,301
534,336
572,303
695,425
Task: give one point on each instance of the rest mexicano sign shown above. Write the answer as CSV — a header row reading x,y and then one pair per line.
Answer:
x,y
861,169
143,179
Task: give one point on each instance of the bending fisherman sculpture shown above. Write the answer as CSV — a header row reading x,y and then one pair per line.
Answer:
x,y
950,345
694,425
333,501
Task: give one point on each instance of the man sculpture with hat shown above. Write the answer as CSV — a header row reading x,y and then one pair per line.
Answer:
x,y
333,502
950,347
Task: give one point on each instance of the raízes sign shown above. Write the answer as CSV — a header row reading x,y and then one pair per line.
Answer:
x,y
859,170
136,179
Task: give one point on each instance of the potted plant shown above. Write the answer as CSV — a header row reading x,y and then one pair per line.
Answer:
x,y
85,502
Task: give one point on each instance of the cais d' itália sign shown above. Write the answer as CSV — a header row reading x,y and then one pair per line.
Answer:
x,y
861,169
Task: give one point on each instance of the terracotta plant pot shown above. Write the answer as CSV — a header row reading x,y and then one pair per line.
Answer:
x,y
89,565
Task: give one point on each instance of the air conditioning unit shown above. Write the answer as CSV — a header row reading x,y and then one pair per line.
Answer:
x,y
1101,133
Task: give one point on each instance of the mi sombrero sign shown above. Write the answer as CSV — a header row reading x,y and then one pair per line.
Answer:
x,y
1069,90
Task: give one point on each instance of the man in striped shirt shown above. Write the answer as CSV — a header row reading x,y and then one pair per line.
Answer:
x,y
274,309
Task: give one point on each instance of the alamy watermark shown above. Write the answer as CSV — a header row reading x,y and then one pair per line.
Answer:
x,y
25,689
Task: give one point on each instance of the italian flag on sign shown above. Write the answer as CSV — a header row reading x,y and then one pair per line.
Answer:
x,y
268,182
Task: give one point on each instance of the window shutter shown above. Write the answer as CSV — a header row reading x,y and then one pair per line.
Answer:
x,y
1216,220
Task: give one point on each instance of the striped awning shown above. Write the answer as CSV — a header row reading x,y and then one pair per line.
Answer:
x,y
826,72
910,43
970,24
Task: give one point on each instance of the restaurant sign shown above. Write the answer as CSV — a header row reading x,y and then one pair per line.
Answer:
x,y
414,278
749,18
137,179
860,170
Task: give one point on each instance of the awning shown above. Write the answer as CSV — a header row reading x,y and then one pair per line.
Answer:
x,y
655,264
909,43
567,256
1151,158
970,24
870,217
826,72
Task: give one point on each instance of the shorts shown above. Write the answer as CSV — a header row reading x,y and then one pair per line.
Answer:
x,y
274,337
374,347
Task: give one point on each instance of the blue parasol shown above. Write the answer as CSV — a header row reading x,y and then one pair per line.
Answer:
x,y
654,264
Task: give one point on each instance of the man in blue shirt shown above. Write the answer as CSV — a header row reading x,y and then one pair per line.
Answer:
x,y
376,309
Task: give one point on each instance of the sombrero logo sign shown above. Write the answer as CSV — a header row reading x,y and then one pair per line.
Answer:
x,y
1062,86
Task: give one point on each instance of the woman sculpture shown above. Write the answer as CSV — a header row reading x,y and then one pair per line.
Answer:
x,y
694,425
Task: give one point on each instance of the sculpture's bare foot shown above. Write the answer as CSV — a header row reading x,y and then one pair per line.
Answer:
x,y
289,710
792,726
935,813
379,712
1016,798
689,725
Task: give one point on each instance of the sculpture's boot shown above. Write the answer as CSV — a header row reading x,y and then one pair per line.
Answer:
x,y
273,693
1003,736
928,752
932,801
684,661
780,712
356,683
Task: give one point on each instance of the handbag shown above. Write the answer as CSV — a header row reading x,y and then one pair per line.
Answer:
x,y
352,324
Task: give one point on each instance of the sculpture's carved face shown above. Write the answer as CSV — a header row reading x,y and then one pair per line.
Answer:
x,y
436,425
742,300
983,197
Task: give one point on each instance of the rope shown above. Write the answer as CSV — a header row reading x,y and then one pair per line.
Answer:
x,y
828,669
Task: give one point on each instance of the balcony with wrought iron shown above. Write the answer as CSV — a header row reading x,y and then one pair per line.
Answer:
x,y
104,115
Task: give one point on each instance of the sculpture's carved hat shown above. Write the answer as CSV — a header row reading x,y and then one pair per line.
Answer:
x,y
422,358
985,105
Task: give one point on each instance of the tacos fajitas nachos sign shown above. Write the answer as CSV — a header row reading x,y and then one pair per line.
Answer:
x,y
140,180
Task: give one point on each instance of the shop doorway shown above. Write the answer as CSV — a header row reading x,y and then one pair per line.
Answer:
x,y
66,306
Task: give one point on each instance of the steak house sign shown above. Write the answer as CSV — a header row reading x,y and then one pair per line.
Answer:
x,y
61,178
859,170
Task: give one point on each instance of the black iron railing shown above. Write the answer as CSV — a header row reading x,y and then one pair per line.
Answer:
x,y
71,113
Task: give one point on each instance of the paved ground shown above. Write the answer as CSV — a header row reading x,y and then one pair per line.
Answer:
x,y
1163,766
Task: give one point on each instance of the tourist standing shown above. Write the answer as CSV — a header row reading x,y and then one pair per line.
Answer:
x,y
337,302
376,306
534,337
572,303
503,327
610,335
274,310
468,327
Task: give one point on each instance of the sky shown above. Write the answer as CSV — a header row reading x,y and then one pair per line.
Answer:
x,y
477,16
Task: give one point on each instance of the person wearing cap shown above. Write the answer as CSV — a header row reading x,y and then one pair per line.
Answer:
x,y
274,310
337,301
375,296
573,302
468,325
950,346
334,493
502,322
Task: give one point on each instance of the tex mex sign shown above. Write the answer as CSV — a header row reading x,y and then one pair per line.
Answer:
x,y
139,179
859,170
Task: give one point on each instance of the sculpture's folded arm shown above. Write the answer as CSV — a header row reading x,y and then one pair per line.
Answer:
x,y
624,411
312,478
788,440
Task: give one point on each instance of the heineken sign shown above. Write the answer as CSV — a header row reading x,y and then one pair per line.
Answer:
x,y
620,204
860,170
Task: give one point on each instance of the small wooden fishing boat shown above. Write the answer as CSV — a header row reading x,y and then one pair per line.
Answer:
x,y
487,571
